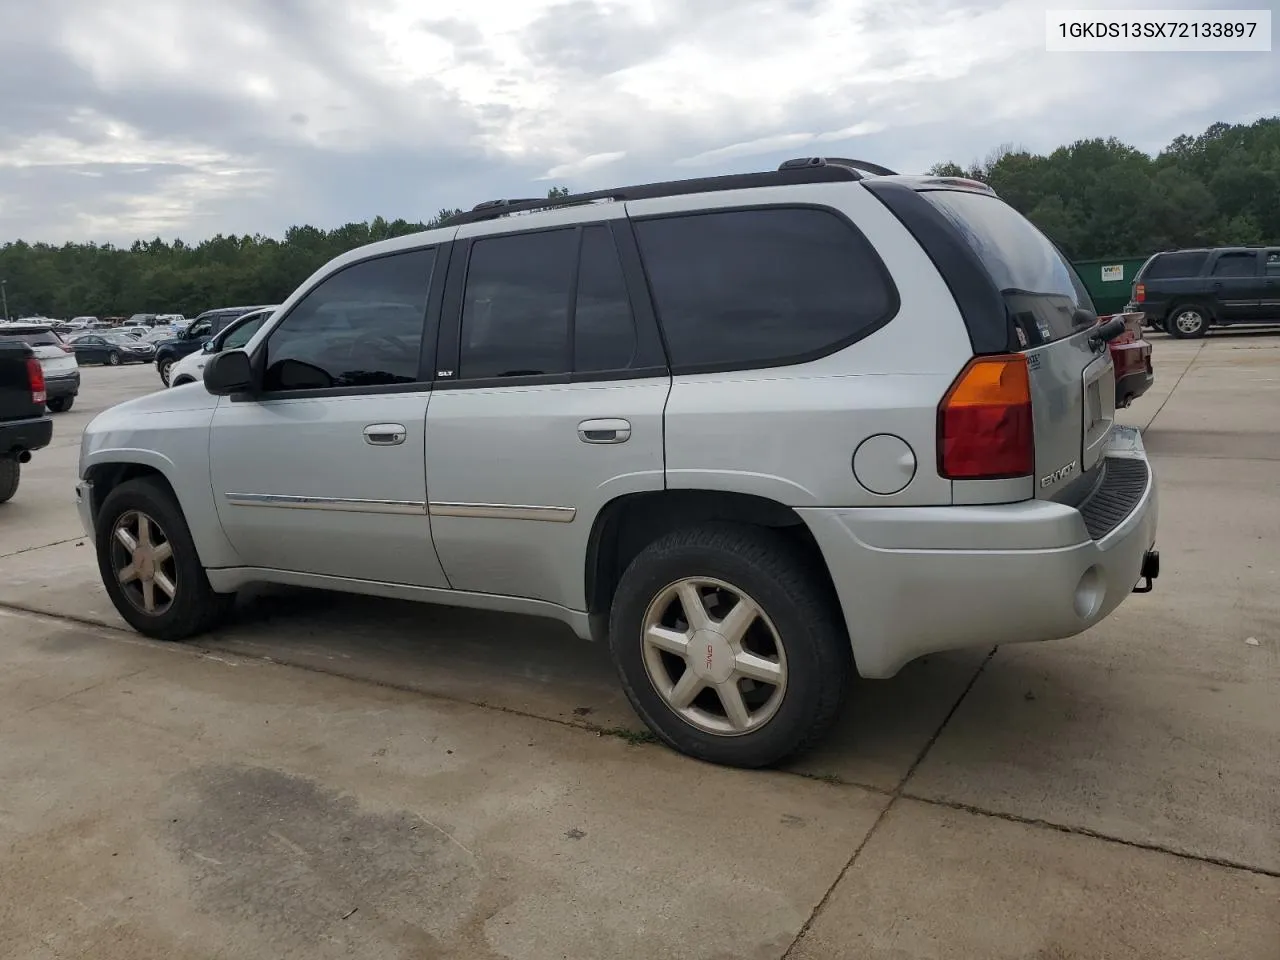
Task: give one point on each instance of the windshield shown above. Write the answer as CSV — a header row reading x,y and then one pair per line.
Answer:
x,y
1044,297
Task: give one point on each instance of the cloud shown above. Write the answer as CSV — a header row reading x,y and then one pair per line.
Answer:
x,y
139,117
577,167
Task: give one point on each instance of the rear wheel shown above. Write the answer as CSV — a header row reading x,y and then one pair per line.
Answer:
x,y
10,472
729,644
1188,321
61,404
149,564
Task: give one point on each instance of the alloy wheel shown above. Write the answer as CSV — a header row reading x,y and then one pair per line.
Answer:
x,y
714,657
1189,322
143,562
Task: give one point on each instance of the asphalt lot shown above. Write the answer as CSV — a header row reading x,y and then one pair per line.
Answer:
x,y
334,776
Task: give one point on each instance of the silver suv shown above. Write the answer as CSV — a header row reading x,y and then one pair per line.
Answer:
x,y
755,432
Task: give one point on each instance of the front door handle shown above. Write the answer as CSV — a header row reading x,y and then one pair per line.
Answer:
x,y
384,434
604,431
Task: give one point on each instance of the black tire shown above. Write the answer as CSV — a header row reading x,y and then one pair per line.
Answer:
x,y
10,474
163,368
113,358
794,594
196,608
183,381
1181,316
61,404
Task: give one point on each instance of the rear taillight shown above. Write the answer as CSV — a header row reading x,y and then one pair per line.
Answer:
x,y
35,380
985,431
67,348
1139,293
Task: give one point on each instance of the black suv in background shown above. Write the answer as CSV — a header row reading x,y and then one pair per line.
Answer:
x,y
168,352
1187,291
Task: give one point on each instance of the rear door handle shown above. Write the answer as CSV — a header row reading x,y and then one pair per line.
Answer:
x,y
604,431
384,434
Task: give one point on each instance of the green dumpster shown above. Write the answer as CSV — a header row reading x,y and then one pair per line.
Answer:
x,y
1109,282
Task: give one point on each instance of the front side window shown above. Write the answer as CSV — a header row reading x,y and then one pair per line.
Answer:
x,y
761,287
242,334
1236,265
1273,263
200,328
362,326
515,311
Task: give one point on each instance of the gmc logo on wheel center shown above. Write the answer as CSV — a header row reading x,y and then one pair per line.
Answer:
x,y
1057,475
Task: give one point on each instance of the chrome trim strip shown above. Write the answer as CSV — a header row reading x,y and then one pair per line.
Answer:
x,y
339,504
502,511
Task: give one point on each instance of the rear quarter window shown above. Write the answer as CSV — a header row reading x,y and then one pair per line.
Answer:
x,y
1171,266
1044,297
762,287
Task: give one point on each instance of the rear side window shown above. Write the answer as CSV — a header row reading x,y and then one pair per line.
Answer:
x,y
762,287
1043,296
1168,266
1273,263
1236,265
515,312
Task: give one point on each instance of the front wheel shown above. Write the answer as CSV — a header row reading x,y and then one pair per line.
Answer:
x,y
149,565
10,473
113,359
61,404
163,368
729,644
1187,321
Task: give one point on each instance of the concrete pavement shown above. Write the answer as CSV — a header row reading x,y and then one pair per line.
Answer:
x,y
1113,795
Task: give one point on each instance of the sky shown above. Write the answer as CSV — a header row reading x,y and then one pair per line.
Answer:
x,y
177,118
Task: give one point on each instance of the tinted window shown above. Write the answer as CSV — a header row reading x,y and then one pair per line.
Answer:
x,y
1236,265
200,327
515,312
242,334
760,286
1273,263
604,331
36,338
361,326
1167,265
1044,297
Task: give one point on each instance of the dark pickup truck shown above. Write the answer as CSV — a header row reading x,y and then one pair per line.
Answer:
x,y
1185,292
24,425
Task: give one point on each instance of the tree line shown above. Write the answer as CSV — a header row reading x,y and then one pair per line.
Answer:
x,y
1095,198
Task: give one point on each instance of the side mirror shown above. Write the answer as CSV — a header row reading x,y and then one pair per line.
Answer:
x,y
227,373
208,346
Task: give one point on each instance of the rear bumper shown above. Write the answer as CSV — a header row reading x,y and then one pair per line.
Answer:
x,y
1133,385
67,386
23,436
920,580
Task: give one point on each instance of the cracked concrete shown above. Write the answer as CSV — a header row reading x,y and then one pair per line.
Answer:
x,y
433,782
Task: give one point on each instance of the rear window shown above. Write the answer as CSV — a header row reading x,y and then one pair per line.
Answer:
x,y
1167,266
36,338
1043,296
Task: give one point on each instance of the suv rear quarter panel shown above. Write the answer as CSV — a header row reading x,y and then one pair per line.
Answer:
x,y
788,433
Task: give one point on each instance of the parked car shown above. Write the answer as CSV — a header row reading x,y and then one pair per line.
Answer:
x,y
142,319
111,348
168,352
753,431
24,425
1131,357
191,367
56,358
82,323
1185,292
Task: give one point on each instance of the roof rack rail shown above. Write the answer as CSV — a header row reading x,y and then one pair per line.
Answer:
x,y
809,173
858,166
